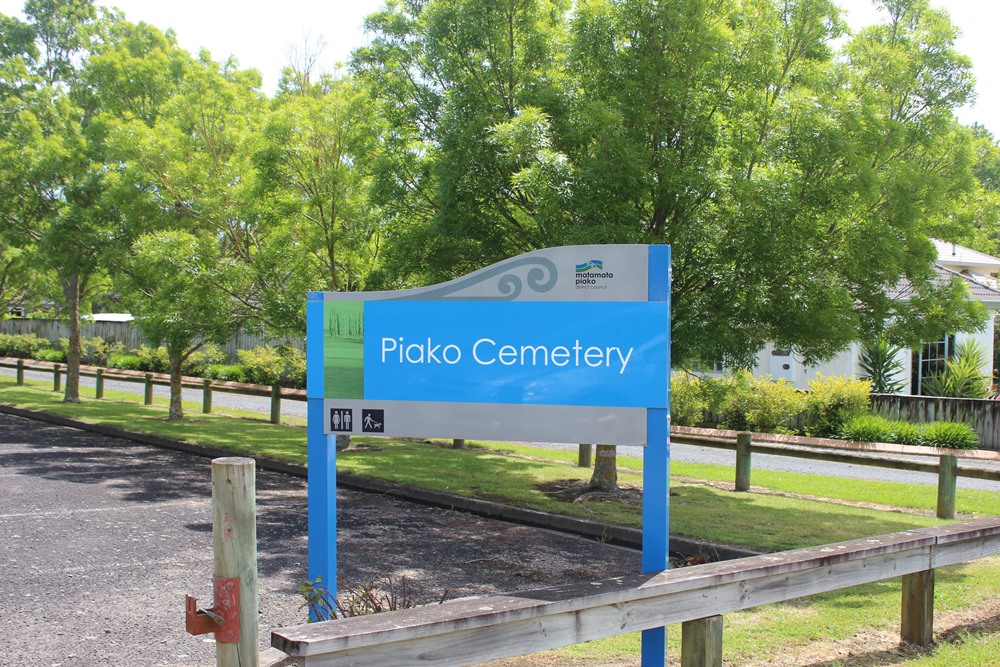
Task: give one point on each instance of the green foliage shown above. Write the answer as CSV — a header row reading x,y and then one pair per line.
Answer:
x,y
127,362
876,428
96,351
262,365
833,400
202,358
57,356
22,346
869,428
687,403
761,404
963,375
153,359
226,372
883,368
955,435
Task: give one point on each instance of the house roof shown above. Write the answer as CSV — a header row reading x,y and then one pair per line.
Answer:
x,y
980,291
959,258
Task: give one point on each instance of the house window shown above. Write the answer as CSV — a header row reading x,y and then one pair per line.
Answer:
x,y
930,360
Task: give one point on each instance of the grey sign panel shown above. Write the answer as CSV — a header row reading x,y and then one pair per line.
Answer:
x,y
611,273
475,421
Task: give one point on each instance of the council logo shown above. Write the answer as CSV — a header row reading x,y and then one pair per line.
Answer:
x,y
592,275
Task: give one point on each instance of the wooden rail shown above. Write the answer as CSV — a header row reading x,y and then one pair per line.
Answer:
x,y
838,451
276,393
475,630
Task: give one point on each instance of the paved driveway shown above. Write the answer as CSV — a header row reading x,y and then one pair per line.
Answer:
x,y
100,538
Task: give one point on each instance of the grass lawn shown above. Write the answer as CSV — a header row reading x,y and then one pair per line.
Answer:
x,y
792,511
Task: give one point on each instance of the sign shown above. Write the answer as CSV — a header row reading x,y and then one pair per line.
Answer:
x,y
562,344
565,344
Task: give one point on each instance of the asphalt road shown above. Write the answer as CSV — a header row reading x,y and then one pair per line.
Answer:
x,y
100,539
682,453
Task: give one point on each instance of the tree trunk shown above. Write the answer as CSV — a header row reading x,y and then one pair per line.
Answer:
x,y
71,290
176,406
605,475
343,442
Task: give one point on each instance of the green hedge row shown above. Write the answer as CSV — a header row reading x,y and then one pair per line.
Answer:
x,y
263,365
875,428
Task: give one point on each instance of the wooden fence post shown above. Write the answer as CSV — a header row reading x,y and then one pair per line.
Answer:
x,y
743,444
206,396
275,403
56,377
917,626
20,371
585,458
147,397
234,531
701,642
947,486
99,383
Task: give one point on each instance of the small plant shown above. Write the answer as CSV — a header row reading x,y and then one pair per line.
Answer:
x,y
379,594
884,370
773,405
262,365
954,435
226,372
869,428
962,376
153,359
55,356
126,362
687,405
834,400
22,346
907,434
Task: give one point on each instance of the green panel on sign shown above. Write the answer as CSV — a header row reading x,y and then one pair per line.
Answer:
x,y
344,349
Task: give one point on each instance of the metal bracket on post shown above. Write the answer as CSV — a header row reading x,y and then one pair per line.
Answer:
x,y
223,619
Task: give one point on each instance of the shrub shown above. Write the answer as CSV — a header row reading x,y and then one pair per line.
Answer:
x,y
199,360
885,371
907,434
832,401
153,359
226,372
954,435
687,403
295,367
22,346
262,365
127,362
773,405
738,398
870,428
98,352
55,356
963,375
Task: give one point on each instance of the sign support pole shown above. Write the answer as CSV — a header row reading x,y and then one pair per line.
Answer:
x,y
322,463
656,471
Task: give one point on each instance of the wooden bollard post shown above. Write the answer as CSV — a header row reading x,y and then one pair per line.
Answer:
x,y
947,486
585,457
701,642
917,626
743,446
206,396
99,383
275,403
20,371
147,397
458,443
56,377
234,531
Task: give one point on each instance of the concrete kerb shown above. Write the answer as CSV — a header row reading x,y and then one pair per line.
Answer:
x,y
620,535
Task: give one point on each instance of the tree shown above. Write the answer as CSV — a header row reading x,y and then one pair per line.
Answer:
x,y
180,289
314,164
797,185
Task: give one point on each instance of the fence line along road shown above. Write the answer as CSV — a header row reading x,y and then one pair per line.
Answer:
x,y
475,630
947,467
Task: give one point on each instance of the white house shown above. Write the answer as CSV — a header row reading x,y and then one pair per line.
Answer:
x,y
974,267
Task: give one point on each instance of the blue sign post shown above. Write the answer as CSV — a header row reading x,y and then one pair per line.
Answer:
x,y
567,344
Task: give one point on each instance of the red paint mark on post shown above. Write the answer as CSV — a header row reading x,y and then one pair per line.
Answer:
x,y
227,527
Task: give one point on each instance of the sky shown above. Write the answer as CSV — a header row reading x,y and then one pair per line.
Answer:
x,y
262,34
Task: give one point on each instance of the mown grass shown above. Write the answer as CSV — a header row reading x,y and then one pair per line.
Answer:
x,y
512,472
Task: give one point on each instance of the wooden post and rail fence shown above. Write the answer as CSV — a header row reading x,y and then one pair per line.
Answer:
x,y
472,631
947,467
